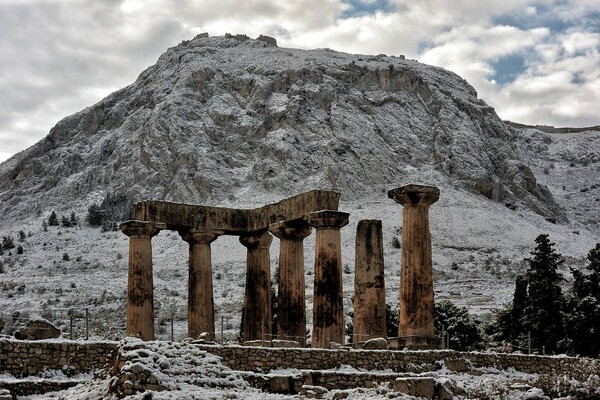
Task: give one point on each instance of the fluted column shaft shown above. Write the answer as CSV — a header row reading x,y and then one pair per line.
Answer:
x,y
416,280
201,308
140,287
328,299
291,296
257,300
369,287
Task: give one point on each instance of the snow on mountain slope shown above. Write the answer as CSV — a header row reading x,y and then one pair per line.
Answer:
x,y
240,123
217,118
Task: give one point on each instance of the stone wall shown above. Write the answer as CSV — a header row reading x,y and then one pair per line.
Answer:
x,y
265,359
23,357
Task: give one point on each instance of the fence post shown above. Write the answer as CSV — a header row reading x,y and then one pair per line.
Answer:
x,y
172,333
222,318
528,342
71,326
443,336
87,323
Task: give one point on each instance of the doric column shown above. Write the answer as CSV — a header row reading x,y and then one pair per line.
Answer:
x,y
416,281
201,308
291,297
256,318
369,287
328,299
140,289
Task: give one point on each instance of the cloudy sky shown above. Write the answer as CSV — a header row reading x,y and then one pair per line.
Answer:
x,y
536,62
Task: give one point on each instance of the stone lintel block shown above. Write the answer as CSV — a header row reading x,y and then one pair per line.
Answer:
x,y
235,221
141,228
328,219
296,229
415,194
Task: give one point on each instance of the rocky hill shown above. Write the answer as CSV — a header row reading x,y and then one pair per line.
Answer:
x,y
223,118
236,122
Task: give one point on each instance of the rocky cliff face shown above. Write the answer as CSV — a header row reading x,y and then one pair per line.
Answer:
x,y
219,118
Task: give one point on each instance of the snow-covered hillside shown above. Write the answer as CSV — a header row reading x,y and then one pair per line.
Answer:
x,y
241,123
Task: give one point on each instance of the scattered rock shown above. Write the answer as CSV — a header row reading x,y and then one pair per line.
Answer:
x,y
38,329
376,344
416,386
457,364
534,394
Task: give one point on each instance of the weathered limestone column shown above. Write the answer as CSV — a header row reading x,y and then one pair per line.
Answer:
x,y
291,300
201,308
328,300
140,288
256,318
369,287
416,281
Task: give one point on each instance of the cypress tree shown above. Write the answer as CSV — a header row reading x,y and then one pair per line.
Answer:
x,y
582,322
542,313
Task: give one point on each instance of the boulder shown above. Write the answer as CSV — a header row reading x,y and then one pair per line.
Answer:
x,y
376,344
38,329
415,386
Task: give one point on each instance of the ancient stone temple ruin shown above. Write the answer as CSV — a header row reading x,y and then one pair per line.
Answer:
x,y
291,221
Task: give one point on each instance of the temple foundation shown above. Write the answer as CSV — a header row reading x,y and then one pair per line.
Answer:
x,y
416,282
328,301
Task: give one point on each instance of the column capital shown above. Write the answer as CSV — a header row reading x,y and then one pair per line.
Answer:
x,y
256,240
141,228
413,195
328,219
297,229
200,236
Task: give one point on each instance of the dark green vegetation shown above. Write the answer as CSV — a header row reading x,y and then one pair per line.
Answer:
x,y
542,317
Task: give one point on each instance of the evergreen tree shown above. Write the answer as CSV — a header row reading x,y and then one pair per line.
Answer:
x,y
95,215
22,236
73,219
8,242
464,332
65,222
53,219
44,226
542,313
582,324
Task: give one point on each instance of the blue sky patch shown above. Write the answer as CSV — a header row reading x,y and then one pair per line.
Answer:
x,y
508,68
361,7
